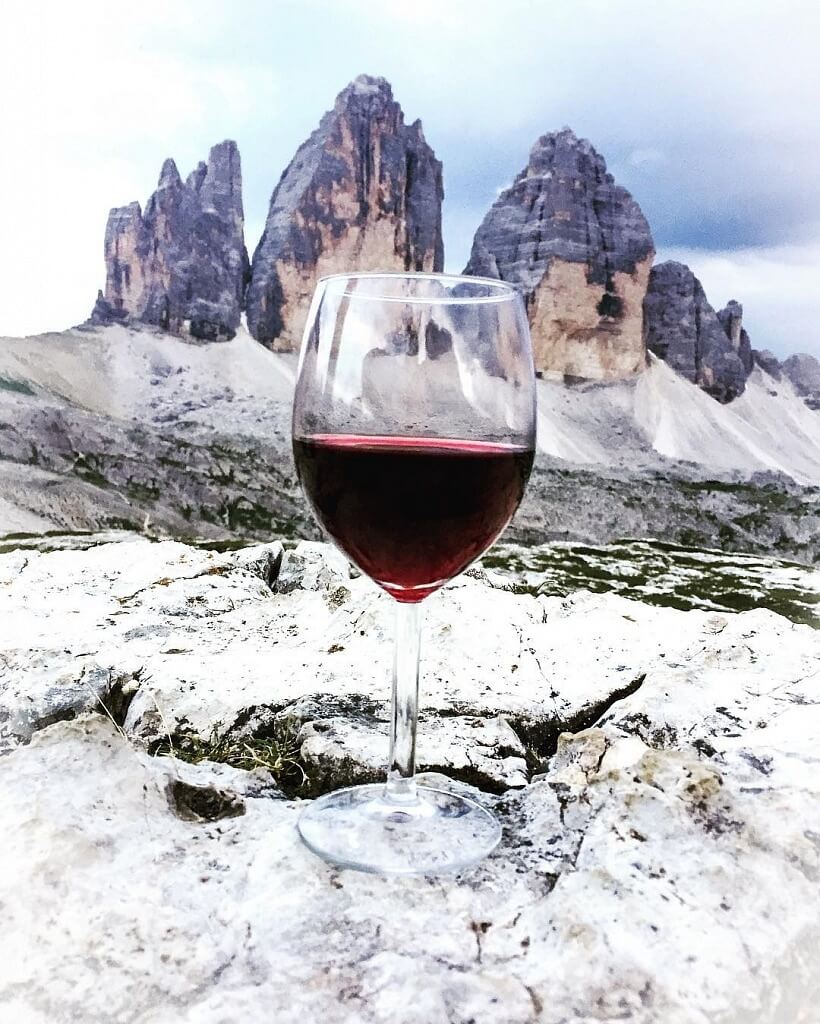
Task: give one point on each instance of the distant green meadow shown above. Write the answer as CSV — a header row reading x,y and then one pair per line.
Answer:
x,y
664,574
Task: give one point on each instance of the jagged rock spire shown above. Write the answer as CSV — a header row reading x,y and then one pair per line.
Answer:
x,y
182,264
579,248
705,347
364,192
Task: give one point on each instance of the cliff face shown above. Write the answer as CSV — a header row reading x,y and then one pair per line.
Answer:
x,y
803,371
182,264
580,249
768,361
731,320
708,348
363,193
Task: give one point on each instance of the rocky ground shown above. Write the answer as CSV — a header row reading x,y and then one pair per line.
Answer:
x,y
655,771
111,428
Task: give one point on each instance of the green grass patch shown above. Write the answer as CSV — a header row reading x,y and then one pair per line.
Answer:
x,y
277,753
663,574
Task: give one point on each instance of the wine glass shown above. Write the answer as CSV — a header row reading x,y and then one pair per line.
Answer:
x,y
413,436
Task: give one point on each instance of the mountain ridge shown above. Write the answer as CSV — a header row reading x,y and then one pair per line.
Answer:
x,y
364,192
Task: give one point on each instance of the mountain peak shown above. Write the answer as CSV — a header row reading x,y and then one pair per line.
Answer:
x,y
366,90
803,370
707,348
180,265
363,192
370,84
566,151
169,175
579,248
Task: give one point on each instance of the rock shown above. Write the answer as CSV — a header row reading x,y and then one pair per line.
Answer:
x,y
364,192
769,362
140,429
117,427
264,561
104,312
661,868
731,320
182,264
148,619
485,752
803,371
683,329
175,640
579,249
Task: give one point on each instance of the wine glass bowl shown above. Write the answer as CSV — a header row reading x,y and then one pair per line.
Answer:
x,y
413,437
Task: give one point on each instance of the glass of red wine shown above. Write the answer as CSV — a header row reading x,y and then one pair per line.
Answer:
x,y
413,436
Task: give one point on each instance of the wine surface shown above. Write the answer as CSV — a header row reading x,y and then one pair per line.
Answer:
x,y
411,512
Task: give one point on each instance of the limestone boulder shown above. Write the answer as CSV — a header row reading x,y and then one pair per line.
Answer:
x,y
659,861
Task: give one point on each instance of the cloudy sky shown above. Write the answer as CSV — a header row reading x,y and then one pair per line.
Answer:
x,y
707,112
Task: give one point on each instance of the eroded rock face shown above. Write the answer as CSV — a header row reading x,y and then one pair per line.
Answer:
x,y
682,328
182,264
620,890
768,361
731,320
363,193
580,249
803,371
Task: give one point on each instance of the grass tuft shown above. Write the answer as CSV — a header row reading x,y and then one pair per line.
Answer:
x,y
277,754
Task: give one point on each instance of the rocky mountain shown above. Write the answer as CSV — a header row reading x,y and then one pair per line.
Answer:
x,y
707,348
181,264
731,320
121,424
803,371
768,362
579,248
363,193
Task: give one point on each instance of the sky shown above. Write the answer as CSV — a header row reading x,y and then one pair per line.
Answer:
x,y
709,113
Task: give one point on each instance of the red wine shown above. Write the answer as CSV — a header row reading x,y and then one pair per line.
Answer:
x,y
411,512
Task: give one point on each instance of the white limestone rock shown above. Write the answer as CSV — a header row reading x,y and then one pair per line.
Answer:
x,y
661,868
655,885
185,640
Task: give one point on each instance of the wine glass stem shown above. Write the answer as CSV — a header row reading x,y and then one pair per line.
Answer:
x,y
401,783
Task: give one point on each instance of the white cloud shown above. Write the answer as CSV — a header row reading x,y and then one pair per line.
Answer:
x,y
706,127
646,158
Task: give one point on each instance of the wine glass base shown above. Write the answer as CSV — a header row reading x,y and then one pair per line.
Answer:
x,y
359,828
